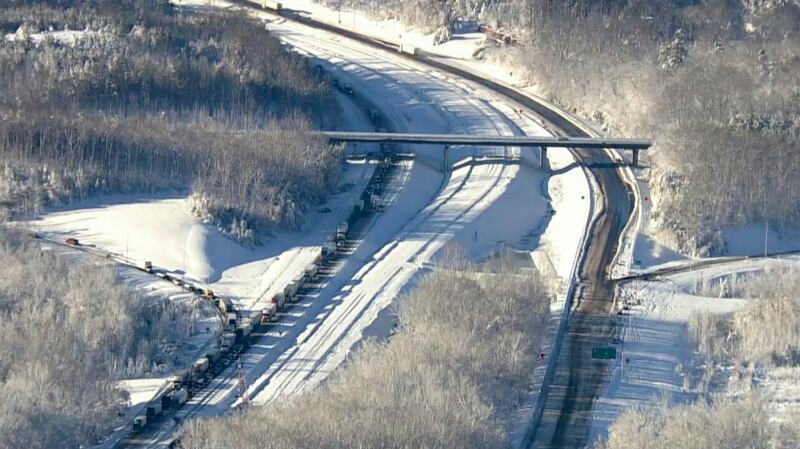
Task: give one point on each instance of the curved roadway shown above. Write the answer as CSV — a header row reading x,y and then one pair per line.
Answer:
x,y
453,204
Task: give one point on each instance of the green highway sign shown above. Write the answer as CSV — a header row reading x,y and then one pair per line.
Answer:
x,y
604,353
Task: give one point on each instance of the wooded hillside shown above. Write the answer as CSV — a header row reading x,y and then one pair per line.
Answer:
x,y
716,83
131,96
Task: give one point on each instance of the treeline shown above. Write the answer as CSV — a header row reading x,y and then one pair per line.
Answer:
x,y
727,424
145,97
461,360
69,332
715,83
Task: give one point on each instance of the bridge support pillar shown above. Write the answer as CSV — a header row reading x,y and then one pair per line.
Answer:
x,y
635,158
543,158
445,159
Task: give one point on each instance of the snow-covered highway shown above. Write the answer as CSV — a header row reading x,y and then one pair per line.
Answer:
x,y
485,197
426,215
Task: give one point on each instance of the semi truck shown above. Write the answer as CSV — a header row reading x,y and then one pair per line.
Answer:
x,y
230,320
175,398
328,250
139,423
279,299
199,367
226,341
311,272
153,409
243,332
290,290
341,231
212,355
177,379
268,313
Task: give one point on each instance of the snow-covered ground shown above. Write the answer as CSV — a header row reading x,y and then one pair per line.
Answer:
x,y
656,359
655,334
69,37
648,249
481,202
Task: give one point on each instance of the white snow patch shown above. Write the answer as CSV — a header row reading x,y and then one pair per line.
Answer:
x,y
70,37
141,390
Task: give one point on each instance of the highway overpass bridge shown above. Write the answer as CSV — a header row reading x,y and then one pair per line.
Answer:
x,y
544,143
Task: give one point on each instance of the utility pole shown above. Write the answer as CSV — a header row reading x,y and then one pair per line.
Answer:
x,y
339,10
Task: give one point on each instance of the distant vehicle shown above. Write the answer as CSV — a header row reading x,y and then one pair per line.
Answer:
x,y
374,201
148,266
268,313
243,332
226,341
139,423
231,318
270,4
311,272
200,366
178,397
153,409
328,250
290,291
347,88
279,299
72,241
341,231
178,378
374,115
213,354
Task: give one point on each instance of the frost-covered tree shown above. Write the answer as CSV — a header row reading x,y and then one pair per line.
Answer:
x,y
148,98
69,332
